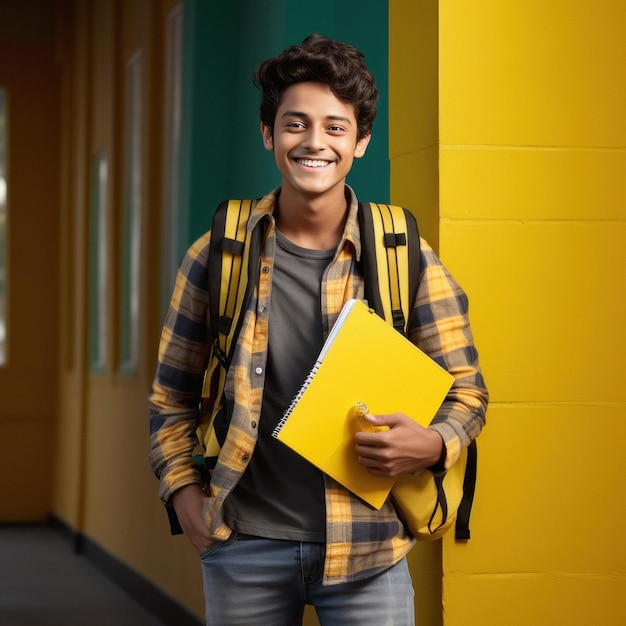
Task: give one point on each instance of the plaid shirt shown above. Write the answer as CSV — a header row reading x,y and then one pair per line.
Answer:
x,y
360,541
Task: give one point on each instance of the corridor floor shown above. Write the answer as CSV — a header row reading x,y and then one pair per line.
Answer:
x,y
42,581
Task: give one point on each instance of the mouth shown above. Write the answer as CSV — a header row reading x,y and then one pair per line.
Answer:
x,y
314,163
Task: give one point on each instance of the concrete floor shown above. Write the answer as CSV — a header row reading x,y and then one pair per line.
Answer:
x,y
42,581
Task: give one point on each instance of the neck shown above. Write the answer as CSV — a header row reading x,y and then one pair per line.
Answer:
x,y
316,223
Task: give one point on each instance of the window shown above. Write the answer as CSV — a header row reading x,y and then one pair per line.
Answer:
x,y
98,264
131,252
3,227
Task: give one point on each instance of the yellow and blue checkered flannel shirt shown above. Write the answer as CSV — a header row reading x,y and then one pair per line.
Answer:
x,y
360,541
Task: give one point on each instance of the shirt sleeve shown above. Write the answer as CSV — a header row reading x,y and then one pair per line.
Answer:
x,y
174,400
440,326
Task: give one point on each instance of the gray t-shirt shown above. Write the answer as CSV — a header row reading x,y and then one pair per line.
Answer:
x,y
281,495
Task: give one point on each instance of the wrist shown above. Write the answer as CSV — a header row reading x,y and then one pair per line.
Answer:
x,y
438,459
186,493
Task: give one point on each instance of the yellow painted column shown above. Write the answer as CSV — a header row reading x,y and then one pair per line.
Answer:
x,y
531,219
414,176
414,110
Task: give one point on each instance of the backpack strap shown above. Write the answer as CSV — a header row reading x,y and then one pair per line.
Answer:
x,y
391,260
462,531
230,241
234,252
391,282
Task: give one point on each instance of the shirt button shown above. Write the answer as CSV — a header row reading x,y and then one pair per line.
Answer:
x,y
253,424
261,309
259,370
265,269
245,458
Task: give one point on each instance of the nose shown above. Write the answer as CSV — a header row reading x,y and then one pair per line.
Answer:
x,y
314,140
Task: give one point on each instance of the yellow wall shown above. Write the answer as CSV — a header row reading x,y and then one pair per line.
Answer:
x,y
104,488
414,110
414,158
531,167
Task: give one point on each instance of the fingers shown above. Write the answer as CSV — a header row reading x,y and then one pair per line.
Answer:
x,y
403,447
189,504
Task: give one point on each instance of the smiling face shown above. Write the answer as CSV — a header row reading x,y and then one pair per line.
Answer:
x,y
314,140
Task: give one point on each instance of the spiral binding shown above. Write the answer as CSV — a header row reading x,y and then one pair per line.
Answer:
x,y
297,398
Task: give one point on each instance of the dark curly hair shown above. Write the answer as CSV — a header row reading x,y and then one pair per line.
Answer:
x,y
323,60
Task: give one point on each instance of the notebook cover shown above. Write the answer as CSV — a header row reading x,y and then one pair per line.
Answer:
x,y
367,361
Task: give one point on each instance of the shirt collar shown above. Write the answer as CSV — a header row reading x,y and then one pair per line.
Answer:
x,y
351,233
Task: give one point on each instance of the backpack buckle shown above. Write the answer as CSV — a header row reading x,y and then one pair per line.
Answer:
x,y
398,320
220,355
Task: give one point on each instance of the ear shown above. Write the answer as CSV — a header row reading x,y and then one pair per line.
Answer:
x,y
361,146
268,140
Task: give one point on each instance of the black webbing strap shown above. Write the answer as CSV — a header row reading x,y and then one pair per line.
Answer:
x,y
368,258
215,263
442,503
462,531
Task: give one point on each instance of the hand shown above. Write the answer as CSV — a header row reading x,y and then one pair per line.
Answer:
x,y
402,448
189,503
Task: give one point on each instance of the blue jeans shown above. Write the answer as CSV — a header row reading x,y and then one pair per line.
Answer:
x,y
253,581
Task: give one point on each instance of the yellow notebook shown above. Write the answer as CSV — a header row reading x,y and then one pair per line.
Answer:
x,y
363,360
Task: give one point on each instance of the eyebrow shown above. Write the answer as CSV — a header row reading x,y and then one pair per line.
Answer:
x,y
334,118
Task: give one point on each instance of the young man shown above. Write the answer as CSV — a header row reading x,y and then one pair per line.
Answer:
x,y
272,531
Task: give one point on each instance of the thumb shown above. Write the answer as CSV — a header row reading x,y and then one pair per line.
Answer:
x,y
380,422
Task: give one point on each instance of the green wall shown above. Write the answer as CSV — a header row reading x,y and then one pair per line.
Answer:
x,y
221,151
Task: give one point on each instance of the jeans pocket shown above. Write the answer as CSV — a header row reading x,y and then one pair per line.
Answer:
x,y
211,549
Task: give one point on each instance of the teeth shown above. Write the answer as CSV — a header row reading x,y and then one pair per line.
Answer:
x,y
312,163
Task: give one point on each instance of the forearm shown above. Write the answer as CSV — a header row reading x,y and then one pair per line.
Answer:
x,y
172,445
461,416
174,401
174,411
441,328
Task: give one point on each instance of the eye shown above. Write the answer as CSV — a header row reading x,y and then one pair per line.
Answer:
x,y
336,129
295,125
